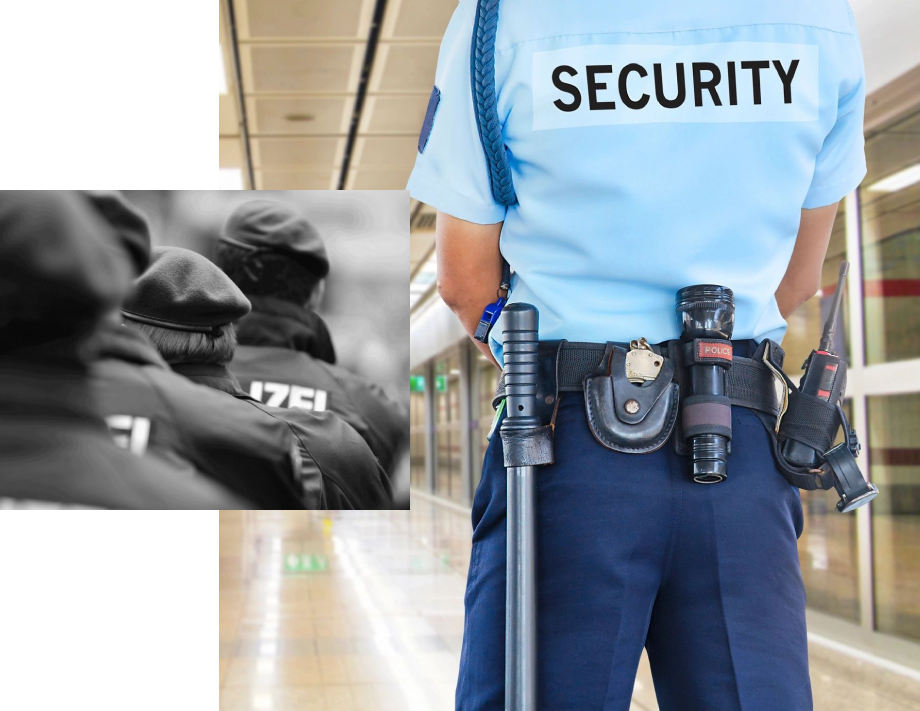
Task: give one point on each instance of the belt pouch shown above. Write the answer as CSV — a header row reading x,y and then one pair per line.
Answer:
x,y
802,417
627,417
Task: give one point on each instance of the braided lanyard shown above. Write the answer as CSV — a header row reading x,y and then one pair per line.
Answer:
x,y
482,81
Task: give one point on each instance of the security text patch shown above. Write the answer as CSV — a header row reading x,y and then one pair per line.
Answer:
x,y
594,85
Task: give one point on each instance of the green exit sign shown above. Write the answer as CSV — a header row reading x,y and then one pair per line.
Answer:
x,y
417,383
305,563
440,383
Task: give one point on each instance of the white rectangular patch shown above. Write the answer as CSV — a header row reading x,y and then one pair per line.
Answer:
x,y
729,82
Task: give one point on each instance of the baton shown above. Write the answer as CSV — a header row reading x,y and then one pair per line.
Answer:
x,y
519,326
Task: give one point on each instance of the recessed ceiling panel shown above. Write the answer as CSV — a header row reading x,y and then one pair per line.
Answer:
x,y
231,153
296,179
303,18
386,151
394,114
315,68
229,122
405,67
300,115
378,179
307,152
422,18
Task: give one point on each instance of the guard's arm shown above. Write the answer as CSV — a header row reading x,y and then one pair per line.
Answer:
x,y
469,269
803,275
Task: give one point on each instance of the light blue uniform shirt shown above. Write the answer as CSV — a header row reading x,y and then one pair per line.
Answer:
x,y
653,146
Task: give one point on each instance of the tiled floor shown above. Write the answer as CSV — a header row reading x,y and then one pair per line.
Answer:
x,y
355,611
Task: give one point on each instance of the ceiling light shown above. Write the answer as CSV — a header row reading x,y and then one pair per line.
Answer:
x,y
231,179
897,181
223,72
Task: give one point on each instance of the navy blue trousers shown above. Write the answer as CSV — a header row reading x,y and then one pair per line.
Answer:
x,y
631,554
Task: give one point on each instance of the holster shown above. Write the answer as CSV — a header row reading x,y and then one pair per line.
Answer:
x,y
801,417
627,417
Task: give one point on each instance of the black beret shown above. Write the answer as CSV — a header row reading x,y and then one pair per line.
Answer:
x,y
61,267
184,291
129,223
265,225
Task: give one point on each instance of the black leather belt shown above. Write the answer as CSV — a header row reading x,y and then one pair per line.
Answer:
x,y
749,382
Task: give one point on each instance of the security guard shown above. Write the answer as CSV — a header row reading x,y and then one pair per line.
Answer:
x,y
286,357
622,152
60,270
186,305
154,412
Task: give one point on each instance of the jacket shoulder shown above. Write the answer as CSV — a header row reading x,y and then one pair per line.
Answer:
x,y
343,458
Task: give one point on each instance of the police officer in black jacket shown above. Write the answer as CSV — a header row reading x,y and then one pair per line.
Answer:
x,y
286,357
186,305
61,269
154,412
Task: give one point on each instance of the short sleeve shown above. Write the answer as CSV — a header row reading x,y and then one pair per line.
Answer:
x,y
450,171
841,164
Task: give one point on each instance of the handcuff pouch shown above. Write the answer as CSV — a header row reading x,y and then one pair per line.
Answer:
x,y
626,417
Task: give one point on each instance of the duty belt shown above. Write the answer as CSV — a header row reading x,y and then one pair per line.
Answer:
x,y
749,382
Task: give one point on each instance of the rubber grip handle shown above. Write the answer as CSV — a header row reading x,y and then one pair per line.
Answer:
x,y
520,326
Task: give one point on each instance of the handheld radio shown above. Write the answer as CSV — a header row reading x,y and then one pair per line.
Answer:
x,y
825,375
825,378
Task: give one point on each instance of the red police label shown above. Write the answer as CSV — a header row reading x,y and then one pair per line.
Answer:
x,y
708,350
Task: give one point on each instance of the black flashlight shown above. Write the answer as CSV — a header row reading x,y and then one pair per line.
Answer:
x,y
707,315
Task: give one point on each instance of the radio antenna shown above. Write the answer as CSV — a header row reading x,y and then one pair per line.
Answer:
x,y
830,326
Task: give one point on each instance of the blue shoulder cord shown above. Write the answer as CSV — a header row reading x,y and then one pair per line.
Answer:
x,y
482,81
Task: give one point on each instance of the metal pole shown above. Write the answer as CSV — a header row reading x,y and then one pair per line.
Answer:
x,y
519,326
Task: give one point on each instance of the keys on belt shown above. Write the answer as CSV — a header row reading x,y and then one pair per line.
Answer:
x,y
642,363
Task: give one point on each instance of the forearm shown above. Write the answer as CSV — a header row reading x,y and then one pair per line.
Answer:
x,y
803,273
789,296
469,270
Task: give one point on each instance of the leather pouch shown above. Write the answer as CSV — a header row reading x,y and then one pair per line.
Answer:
x,y
627,417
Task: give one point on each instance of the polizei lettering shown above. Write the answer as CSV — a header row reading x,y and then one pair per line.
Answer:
x,y
729,82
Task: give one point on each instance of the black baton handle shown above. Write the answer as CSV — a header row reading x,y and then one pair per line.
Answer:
x,y
519,331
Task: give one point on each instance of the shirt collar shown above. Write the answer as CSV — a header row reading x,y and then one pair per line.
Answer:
x,y
128,344
281,324
212,376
